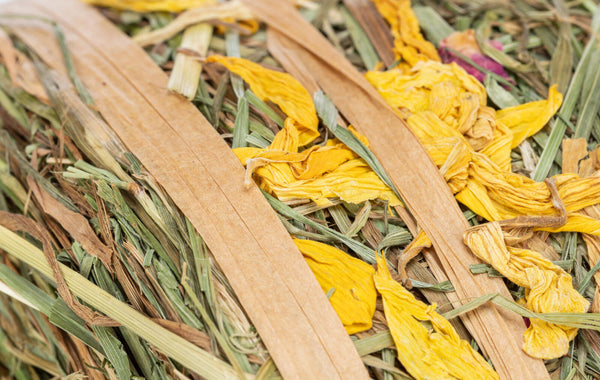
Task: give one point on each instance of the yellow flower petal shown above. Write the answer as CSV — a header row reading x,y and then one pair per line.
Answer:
x,y
317,173
426,353
351,279
548,288
279,88
545,340
409,43
353,182
151,5
527,119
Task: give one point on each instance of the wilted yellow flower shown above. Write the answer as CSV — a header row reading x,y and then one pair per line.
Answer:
x,y
279,88
409,43
495,194
350,280
455,97
427,344
548,288
317,173
459,100
151,5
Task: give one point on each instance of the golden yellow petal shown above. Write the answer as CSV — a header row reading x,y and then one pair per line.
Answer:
x,y
279,88
548,288
351,279
409,43
426,353
527,119
353,182
545,340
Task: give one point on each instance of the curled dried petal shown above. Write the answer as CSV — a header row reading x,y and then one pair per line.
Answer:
x,y
548,288
317,173
409,43
436,352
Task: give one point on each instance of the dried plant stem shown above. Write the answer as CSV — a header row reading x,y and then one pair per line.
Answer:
x,y
186,72
169,343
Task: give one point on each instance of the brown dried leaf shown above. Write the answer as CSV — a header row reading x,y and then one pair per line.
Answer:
x,y
74,223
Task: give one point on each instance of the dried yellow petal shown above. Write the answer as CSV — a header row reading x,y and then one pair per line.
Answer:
x,y
151,5
318,173
459,101
455,97
496,194
526,119
427,345
279,88
353,182
548,288
409,43
350,280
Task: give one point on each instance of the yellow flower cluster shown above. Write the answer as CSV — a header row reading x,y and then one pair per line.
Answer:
x,y
317,173
459,100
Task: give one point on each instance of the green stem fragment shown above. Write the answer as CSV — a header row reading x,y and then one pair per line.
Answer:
x,y
172,345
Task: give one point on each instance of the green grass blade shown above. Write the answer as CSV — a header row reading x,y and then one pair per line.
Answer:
x,y
434,26
361,250
568,106
114,351
361,41
172,345
240,129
